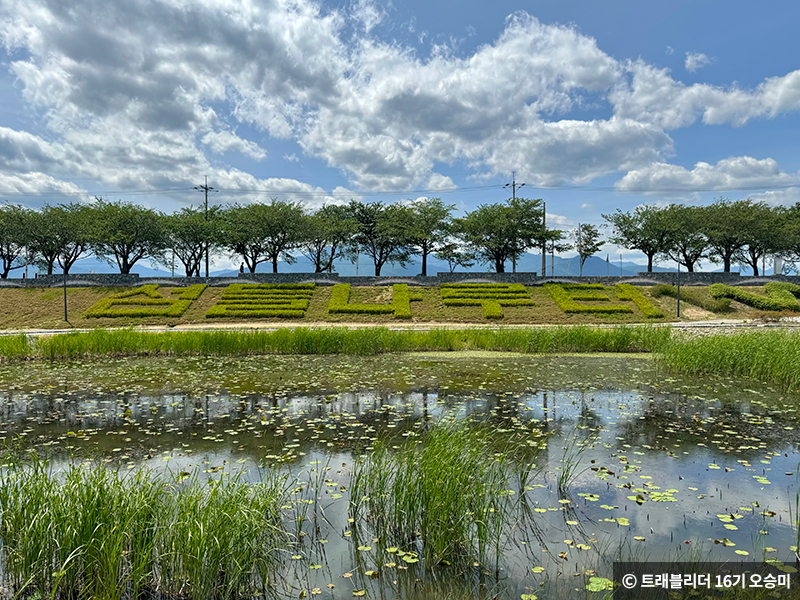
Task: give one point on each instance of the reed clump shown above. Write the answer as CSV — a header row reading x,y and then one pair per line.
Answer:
x,y
447,496
770,356
96,533
330,340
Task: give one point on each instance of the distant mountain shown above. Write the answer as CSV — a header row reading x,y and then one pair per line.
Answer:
x,y
596,265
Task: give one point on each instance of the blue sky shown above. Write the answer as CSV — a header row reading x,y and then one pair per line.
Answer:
x,y
594,105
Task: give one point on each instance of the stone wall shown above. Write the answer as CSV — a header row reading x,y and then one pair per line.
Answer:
x,y
643,278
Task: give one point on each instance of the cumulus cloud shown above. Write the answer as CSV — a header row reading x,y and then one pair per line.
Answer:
x,y
148,105
225,141
695,60
735,173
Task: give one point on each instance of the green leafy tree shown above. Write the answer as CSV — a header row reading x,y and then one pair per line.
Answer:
x,y
382,233
326,234
15,223
125,233
587,242
190,234
765,230
643,230
455,256
264,232
60,234
429,228
501,232
724,225
686,242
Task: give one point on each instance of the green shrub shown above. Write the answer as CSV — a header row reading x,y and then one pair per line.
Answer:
x,y
263,300
564,297
693,295
171,307
490,296
780,295
625,291
400,306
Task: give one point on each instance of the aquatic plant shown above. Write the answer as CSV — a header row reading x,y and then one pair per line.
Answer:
x,y
769,356
449,493
332,340
95,532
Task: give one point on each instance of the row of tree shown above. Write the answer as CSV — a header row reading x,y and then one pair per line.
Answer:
x,y
120,233
728,232
55,237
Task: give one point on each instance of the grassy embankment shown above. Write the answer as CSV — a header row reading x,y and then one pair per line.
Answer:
x,y
44,308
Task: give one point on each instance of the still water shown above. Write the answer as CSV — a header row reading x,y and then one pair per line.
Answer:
x,y
652,466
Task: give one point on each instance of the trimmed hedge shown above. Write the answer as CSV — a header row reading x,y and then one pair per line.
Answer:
x,y
781,295
490,296
263,301
170,307
400,306
564,297
692,295
625,291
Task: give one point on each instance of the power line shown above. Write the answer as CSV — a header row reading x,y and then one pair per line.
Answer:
x,y
428,191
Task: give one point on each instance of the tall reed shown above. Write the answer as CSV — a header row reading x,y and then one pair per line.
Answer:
x,y
447,494
96,533
331,340
770,356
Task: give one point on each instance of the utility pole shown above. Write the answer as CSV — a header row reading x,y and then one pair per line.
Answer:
x,y
204,188
514,187
544,238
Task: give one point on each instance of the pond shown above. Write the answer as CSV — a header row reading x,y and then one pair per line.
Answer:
x,y
594,458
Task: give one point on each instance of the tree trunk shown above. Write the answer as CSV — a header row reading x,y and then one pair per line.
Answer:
x,y
581,269
424,264
726,264
499,266
378,270
649,263
754,263
274,264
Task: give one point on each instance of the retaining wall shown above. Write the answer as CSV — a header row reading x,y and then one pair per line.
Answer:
x,y
643,278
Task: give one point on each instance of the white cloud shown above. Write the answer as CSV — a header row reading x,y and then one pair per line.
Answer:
x,y
735,173
786,197
695,60
225,141
149,104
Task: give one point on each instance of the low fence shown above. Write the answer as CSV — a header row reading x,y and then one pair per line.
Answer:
x,y
642,278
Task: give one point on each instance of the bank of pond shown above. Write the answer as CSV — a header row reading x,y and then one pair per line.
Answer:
x,y
471,469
